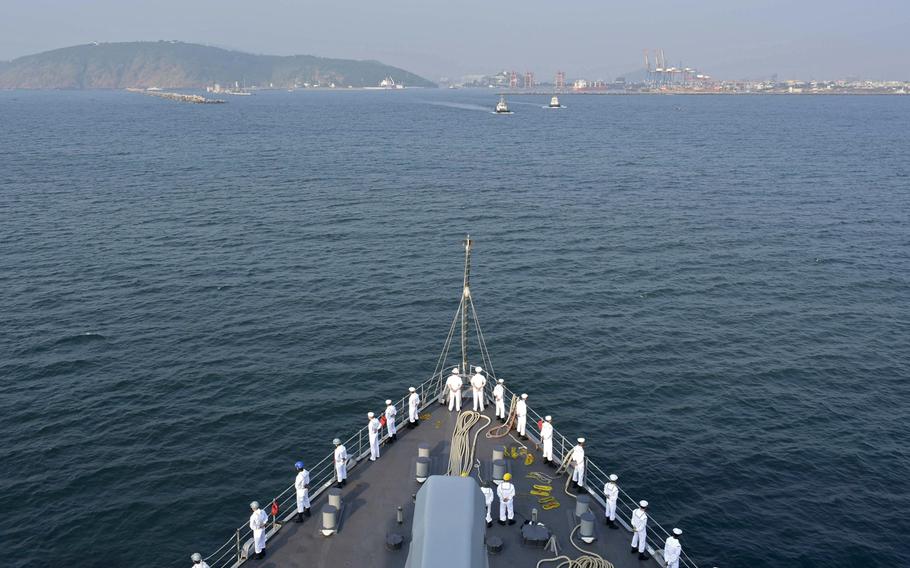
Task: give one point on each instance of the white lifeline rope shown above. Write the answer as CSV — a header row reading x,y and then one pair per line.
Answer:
x,y
461,455
586,560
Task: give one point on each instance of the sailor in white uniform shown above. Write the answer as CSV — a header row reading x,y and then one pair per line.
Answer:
x,y
506,494
478,383
302,485
499,397
488,499
640,529
390,413
341,463
198,562
259,520
673,549
521,411
453,388
578,464
546,435
413,406
373,429
611,494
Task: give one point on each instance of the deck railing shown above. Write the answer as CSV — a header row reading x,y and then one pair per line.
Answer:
x,y
235,550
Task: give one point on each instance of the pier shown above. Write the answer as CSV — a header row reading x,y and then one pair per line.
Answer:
x,y
179,97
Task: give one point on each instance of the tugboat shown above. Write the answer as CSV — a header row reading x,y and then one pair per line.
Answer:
x,y
501,106
554,102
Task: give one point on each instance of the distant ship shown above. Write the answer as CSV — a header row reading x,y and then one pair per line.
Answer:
x,y
554,102
386,84
501,106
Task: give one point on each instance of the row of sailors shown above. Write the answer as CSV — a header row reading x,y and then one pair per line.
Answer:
x,y
505,491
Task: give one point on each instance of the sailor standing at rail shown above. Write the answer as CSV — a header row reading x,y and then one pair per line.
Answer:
x,y
453,387
478,383
506,493
302,485
413,406
374,428
672,549
258,521
341,463
640,529
611,494
546,435
488,499
521,410
499,397
198,562
390,413
578,464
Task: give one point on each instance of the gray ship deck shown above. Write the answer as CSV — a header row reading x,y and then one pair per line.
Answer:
x,y
376,489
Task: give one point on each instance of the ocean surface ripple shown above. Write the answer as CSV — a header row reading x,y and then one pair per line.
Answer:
x,y
714,290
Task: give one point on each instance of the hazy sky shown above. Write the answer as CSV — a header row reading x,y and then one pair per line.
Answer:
x,y
591,38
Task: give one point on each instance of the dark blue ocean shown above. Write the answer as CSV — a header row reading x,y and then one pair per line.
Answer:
x,y
713,290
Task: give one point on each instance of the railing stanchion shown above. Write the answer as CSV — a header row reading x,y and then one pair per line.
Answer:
x,y
238,545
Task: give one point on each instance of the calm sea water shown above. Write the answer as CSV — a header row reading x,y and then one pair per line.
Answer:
x,y
714,290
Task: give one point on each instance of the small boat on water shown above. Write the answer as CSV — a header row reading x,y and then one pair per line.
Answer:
x,y
554,102
501,106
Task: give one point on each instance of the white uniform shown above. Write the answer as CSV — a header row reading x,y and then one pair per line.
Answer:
x,y
478,382
578,465
341,462
258,521
374,428
453,386
390,413
499,395
546,434
611,493
521,410
640,529
303,493
506,494
200,564
672,551
488,499
413,406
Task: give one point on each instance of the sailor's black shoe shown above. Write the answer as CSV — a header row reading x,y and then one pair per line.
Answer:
x,y
613,525
643,556
489,524
501,522
634,550
511,521
298,518
306,512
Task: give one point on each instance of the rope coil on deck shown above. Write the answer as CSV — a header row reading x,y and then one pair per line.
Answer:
x,y
503,429
586,560
461,455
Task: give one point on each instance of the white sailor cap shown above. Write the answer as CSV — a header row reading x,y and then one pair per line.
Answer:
x,y
500,381
581,440
370,415
613,477
548,418
388,401
643,504
478,369
336,442
524,395
677,532
254,505
196,557
455,371
412,389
